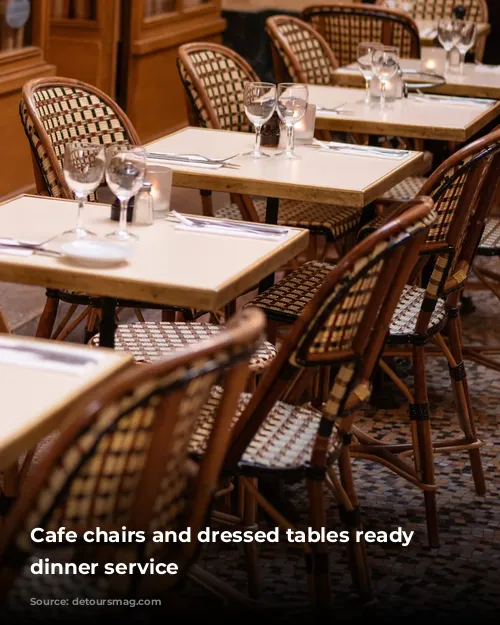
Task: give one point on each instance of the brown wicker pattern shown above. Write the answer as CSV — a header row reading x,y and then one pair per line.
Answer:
x,y
284,441
407,311
69,113
153,340
304,52
287,298
477,10
223,80
406,190
335,222
490,241
345,26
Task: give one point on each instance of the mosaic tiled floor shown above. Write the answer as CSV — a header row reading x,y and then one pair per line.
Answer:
x,y
459,579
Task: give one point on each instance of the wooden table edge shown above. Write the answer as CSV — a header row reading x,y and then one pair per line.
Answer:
x,y
15,447
373,191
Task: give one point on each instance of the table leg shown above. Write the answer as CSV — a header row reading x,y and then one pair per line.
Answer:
x,y
107,327
272,207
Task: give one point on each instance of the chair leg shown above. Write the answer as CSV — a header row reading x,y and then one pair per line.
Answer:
x,y
48,318
318,569
248,515
424,461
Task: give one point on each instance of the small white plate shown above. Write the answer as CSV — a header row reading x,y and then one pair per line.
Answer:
x,y
95,253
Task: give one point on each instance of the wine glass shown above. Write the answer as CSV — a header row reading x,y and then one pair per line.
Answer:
x,y
291,106
365,51
467,32
407,6
259,99
448,35
125,170
83,171
385,64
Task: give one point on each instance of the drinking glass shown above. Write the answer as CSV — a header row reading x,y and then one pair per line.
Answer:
x,y
385,64
448,36
365,51
467,32
259,99
291,106
125,170
83,171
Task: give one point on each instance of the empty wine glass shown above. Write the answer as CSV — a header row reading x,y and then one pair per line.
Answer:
x,y
125,170
467,32
291,106
83,171
259,99
365,51
385,64
448,35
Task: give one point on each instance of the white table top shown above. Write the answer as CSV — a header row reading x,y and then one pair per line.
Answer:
x,y
168,266
406,117
337,179
477,81
36,393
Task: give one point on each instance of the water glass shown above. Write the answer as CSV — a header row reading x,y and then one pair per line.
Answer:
x,y
83,171
125,171
365,51
467,32
259,100
448,36
291,107
385,65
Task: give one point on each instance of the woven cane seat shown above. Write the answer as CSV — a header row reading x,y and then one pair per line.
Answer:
x,y
287,298
335,222
405,190
490,241
404,319
150,341
284,442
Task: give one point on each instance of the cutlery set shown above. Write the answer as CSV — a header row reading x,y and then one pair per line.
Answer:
x,y
194,159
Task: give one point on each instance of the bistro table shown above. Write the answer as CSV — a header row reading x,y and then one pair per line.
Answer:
x,y
41,380
408,117
170,267
477,81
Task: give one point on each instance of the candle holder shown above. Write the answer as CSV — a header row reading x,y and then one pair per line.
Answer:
x,y
393,90
160,178
433,60
304,129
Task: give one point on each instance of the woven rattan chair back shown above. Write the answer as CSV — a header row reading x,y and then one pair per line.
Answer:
x,y
214,79
300,53
344,324
477,10
57,110
123,460
344,26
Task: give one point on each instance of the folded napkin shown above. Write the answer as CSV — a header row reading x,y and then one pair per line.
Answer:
x,y
453,100
14,251
179,163
487,69
362,150
46,358
231,232
428,33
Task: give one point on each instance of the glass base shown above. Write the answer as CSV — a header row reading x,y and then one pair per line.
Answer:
x,y
123,236
255,155
79,233
292,156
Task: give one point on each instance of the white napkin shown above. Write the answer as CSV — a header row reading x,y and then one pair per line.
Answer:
x,y
487,69
362,150
452,101
14,251
40,356
174,163
429,32
231,232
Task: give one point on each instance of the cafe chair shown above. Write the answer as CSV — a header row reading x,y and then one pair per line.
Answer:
x,y
300,54
344,26
476,11
214,79
54,111
343,327
462,188
122,460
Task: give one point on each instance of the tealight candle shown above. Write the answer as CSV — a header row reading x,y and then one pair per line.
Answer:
x,y
160,178
304,129
433,60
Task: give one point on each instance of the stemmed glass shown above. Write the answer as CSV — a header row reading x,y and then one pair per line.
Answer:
x,y
365,51
467,32
385,64
291,106
259,99
83,171
125,170
448,35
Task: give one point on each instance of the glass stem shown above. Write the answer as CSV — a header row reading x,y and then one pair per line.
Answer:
x,y
123,215
382,94
79,214
462,62
367,89
291,139
256,150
